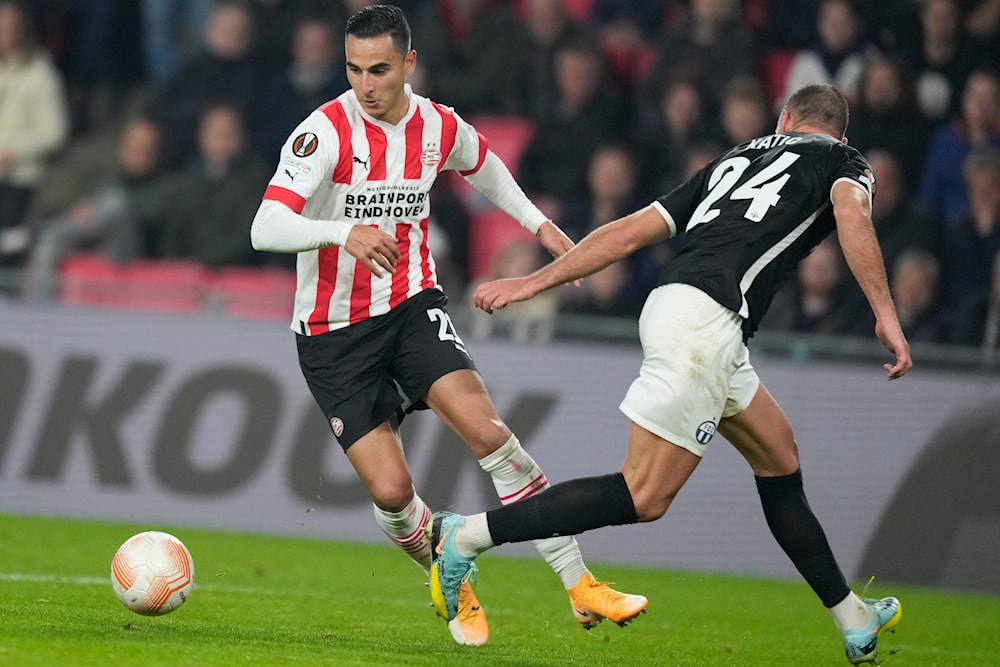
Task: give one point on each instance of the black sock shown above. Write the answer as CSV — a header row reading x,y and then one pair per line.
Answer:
x,y
801,536
567,508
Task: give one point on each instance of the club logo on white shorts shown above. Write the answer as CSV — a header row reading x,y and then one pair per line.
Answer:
x,y
705,432
337,424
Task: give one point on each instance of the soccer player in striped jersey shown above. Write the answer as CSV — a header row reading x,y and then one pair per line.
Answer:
x,y
350,196
748,217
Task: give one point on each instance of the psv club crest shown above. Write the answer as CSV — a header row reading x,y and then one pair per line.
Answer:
x,y
430,155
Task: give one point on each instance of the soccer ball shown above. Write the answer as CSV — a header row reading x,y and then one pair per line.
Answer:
x,y
152,573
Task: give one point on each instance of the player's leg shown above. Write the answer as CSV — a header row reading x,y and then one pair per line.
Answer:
x,y
346,373
762,434
461,400
401,514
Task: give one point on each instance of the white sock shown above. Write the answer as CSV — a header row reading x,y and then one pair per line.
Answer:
x,y
473,538
516,476
851,613
406,529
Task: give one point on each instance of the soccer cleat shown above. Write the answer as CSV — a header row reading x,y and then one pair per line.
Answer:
x,y
469,627
449,569
859,645
593,601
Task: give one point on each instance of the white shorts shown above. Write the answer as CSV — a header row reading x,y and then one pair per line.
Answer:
x,y
695,368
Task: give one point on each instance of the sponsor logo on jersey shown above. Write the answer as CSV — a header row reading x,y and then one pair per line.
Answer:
x,y
297,165
337,424
305,144
430,155
704,432
363,163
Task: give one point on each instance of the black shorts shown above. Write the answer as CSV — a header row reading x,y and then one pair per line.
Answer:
x,y
360,375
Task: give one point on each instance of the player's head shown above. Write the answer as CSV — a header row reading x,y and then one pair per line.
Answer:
x,y
377,20
816,105
379,58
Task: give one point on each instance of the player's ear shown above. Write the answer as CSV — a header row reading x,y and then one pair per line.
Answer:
x,y
782,125
410,62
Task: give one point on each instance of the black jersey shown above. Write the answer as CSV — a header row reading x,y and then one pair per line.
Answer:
x,y
752,213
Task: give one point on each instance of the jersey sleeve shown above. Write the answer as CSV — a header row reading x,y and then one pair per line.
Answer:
x,y
849,165
679,204
469,150
307,159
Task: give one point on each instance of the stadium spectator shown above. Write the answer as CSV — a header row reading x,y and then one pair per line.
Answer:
x,y
216,195
744,112
649,17
915,283
977,318
120,218
662,141
549,29
711,45
553,166
901,222
971,244
524,322
838,54
886,115
80,35
225,71
34,124
819,299
373,332
171,35
472,53
315,75
696,376
612,191
943,186
941,57
982,22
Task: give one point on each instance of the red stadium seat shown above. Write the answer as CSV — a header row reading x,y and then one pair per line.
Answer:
x,y
774,68
91,280
256,293
491,230
578,10
508,136
177,286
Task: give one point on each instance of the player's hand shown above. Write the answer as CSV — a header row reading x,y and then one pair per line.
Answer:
x,y
496,294
373,248
555,241
891,335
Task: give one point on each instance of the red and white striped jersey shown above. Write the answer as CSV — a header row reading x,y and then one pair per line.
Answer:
x,y
342,164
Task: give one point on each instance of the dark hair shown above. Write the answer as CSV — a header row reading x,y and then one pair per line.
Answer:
x,y
820,105
378,20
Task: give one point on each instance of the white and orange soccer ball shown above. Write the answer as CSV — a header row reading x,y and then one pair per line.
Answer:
x,y
152,573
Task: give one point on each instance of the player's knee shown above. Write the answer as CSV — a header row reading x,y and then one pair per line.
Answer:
x,y
391,496
485,437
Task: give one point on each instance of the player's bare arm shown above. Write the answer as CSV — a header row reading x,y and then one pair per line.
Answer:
x,y
603,246
852,210
554,239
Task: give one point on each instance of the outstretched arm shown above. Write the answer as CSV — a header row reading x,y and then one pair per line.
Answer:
x,y
603,246
495,181
852,210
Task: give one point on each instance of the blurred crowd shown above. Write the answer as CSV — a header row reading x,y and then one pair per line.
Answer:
x,y
149,128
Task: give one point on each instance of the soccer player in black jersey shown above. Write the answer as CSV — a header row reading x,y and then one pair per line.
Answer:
x,y
748,217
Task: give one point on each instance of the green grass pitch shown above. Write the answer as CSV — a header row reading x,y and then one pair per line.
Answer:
x,y
264,600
